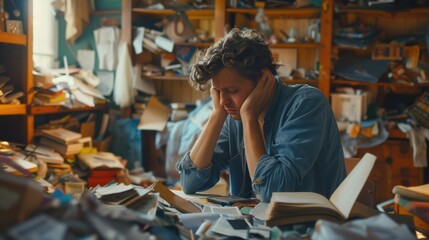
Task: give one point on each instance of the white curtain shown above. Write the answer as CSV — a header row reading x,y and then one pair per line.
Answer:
x,y
45,35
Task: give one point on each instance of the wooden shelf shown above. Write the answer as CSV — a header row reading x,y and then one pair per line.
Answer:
x,y
37,110
12,109
312,82
295,45
194,13
105,12
368,11
196,44
18,39
290,12
396,133
379,84
167,78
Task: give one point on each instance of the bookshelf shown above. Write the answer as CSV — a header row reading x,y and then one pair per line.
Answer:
x,y
394,164
16,56
18,120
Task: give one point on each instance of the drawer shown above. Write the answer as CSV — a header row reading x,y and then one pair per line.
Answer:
x,y
407,182
400,158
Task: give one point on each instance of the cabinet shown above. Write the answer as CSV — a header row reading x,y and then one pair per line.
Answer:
x,y
394,164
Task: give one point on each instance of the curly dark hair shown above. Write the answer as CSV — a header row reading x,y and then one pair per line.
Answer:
x,y
243,50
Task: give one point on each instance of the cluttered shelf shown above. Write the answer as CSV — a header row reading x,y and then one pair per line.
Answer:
x,y
36,110
312,82
105,12
167,78
396,133
379,84
11,38
195,44
295,45
12,109
290,12
166,12
411,12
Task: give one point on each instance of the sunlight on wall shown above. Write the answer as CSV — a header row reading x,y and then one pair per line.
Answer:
x,y
45,35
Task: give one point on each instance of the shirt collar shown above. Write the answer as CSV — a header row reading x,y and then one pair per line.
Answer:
x,y
275,101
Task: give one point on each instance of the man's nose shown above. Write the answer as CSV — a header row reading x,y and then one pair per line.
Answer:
x,y
224,99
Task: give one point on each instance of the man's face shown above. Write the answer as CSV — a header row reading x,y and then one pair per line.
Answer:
x,y
233,90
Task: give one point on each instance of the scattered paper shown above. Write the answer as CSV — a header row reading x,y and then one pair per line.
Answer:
x,y
138,40
86,59
143,84
155,116
106,82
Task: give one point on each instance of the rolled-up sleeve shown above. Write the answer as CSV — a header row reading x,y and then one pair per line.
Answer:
x,y
295,148
193,179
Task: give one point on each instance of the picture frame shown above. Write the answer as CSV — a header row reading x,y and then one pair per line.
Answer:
x,y
14,26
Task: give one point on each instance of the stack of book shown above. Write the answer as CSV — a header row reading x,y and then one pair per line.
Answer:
x,y
104,167
7,94
413,201
50,95
63,141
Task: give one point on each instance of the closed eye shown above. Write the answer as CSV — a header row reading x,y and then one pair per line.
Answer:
x,y
231,91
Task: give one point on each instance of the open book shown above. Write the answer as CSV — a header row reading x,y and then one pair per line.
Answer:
x,y
298,207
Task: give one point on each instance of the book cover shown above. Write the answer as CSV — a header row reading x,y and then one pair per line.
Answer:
x,y
101,160
61,135
63,149
299,207
6,89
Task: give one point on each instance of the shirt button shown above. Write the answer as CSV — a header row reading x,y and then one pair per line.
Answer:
x,y
257,181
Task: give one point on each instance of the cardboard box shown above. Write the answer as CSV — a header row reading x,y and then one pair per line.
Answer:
x,y
103,145
349,107
87,129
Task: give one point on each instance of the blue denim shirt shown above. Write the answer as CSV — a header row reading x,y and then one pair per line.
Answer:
x,y
303,150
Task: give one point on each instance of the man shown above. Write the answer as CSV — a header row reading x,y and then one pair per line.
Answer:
x,y
272,137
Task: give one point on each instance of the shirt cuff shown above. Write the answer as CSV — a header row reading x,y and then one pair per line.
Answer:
x,y
188,164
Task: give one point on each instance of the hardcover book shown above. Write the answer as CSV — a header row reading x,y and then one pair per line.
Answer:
x,y
61,135
299,207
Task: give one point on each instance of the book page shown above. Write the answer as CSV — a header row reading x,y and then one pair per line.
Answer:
x,y
420,193
155,116
306,199
346,194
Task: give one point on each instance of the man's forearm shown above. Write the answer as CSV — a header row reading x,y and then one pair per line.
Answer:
x,y
203,148
254,144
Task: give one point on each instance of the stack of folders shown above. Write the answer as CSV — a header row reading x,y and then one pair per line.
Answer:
x,y
104,167
128,195
63,141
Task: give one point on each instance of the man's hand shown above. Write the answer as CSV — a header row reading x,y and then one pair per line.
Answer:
x,y
217,108
260,97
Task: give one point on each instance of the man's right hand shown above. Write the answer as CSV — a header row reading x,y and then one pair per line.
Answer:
x,y
218,109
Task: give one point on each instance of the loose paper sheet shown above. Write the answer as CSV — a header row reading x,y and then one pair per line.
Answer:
x,y
155,116
86,59
106,82
345,195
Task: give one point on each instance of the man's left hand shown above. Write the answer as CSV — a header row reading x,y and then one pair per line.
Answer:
x,y
260,97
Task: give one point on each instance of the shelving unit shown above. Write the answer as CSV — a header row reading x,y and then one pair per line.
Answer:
x,y
394,157
18,121
172,87
16,55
